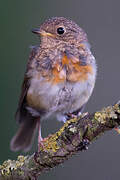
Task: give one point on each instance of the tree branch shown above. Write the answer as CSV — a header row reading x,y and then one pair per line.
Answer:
x,y
74,136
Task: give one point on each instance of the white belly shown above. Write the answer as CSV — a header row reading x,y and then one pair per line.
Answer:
x,y
61,98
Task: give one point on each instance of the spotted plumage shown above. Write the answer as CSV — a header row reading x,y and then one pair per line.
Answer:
x,y
59,79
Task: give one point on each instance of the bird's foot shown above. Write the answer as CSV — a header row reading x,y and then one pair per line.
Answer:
x,y
70,116
75,115
41,142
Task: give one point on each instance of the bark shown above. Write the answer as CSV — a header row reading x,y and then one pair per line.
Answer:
x,y
74,136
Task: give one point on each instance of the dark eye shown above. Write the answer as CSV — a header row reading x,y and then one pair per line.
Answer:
x,y
60,30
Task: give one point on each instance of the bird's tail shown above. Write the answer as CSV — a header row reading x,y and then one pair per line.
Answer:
x,y
24,136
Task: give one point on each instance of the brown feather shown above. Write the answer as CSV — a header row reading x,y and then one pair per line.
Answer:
x,y
26,132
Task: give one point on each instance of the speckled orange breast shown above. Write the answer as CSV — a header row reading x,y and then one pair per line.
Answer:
x,y
71,70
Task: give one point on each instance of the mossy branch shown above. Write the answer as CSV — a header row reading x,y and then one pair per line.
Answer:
x,y
74,136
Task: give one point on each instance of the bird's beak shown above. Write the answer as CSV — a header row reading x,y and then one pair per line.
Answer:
x,y
42,33
36,31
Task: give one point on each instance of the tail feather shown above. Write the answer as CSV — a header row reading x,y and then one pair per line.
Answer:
x,y
24,136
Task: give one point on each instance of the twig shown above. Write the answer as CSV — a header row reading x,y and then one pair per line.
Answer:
x,y
74,136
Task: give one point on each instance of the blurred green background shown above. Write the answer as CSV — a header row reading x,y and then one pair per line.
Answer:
x,y
101,20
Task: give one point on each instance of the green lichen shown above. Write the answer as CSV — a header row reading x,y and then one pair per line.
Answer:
x,y
73,129
50,144
101,118
9,165
116,107
107,113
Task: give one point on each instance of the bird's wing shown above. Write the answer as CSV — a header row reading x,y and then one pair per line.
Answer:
x,y
22,113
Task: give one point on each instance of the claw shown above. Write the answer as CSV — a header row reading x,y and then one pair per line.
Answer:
x,y
70,116
41,144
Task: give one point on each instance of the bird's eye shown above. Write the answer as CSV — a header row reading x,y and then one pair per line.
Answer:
x,y
60,30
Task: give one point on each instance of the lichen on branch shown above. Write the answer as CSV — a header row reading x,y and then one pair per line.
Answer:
x,y
75,135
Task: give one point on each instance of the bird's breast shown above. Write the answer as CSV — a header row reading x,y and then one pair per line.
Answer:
x,y
70,69
68,88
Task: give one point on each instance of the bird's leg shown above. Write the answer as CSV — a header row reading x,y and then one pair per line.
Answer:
x,y
76,114
39,133
70,116
40,139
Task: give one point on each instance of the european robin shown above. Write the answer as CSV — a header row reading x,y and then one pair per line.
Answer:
x,y
58,81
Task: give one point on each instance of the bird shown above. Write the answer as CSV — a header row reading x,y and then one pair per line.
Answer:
x,y
59,79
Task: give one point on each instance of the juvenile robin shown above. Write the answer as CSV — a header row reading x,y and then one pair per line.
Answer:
x,y
59,79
